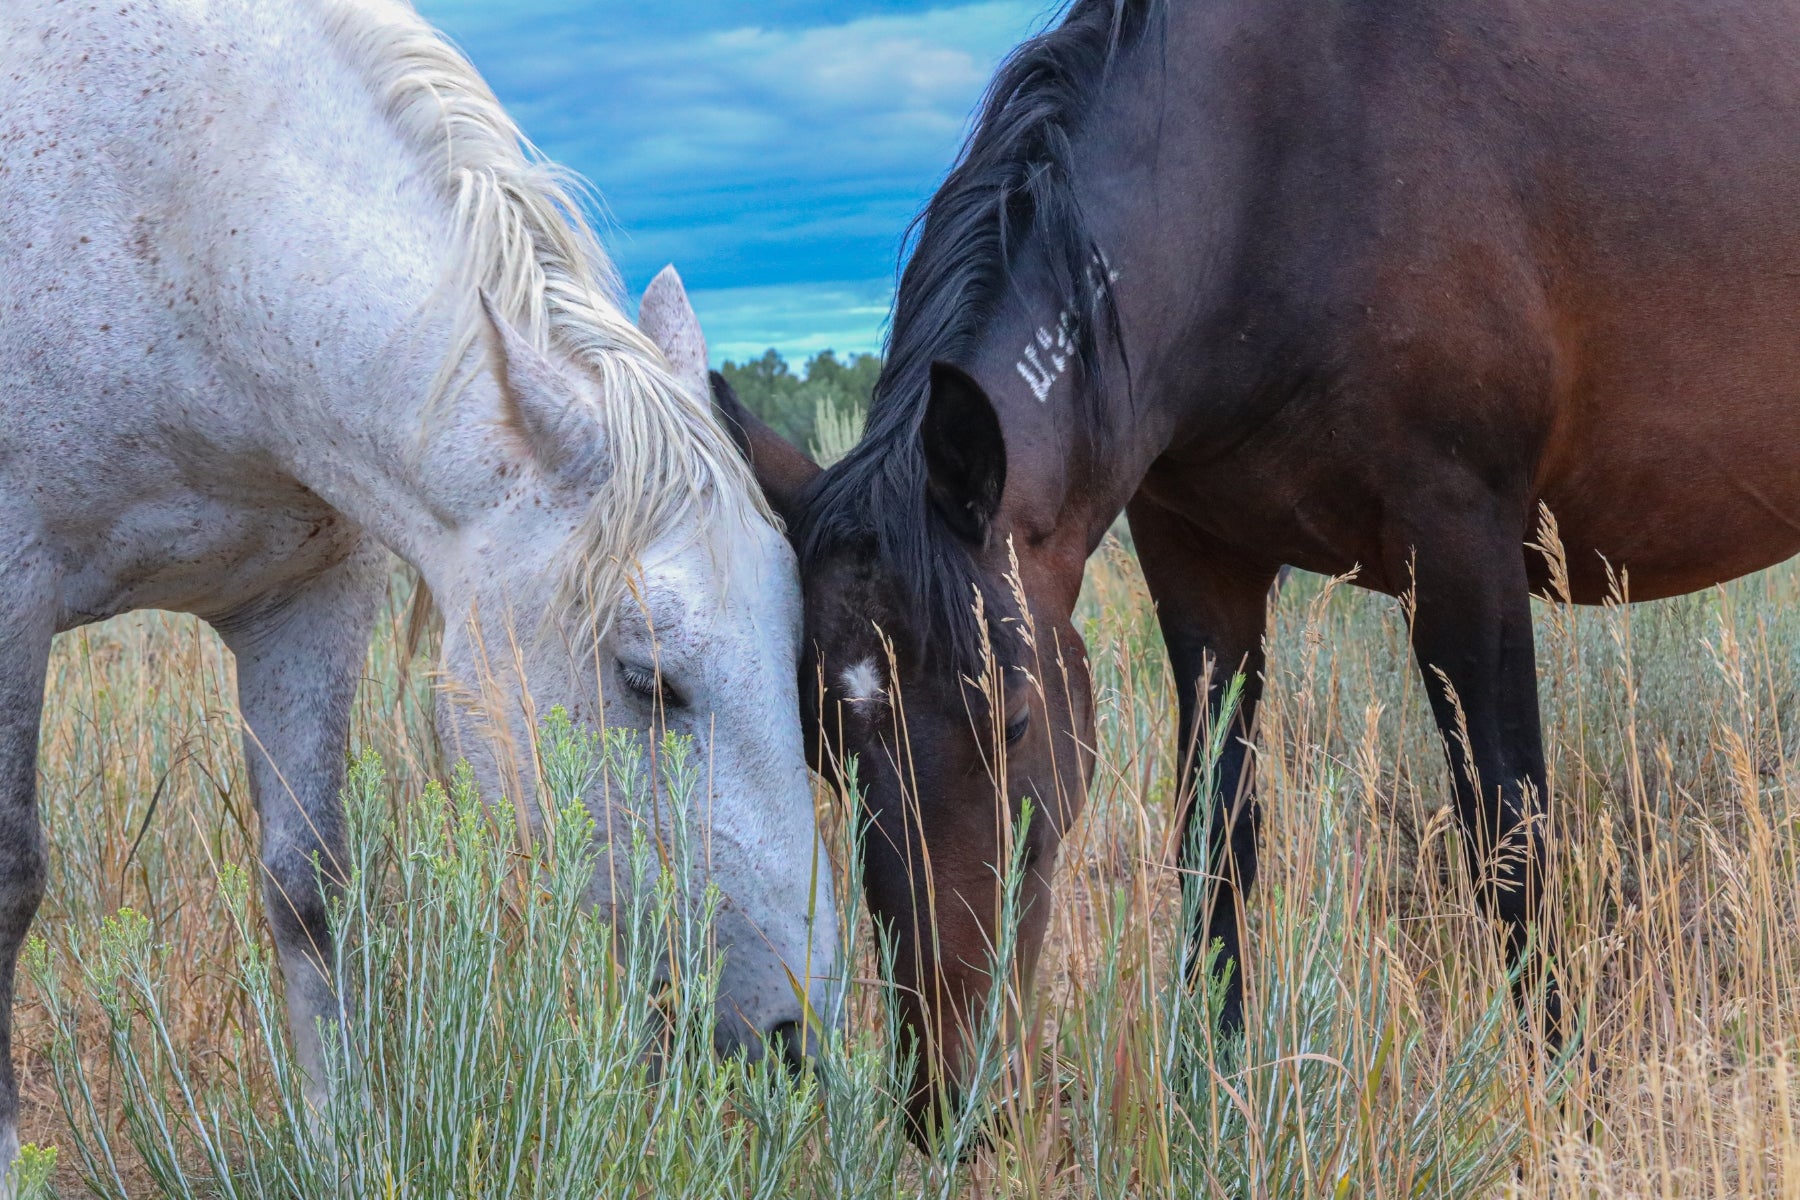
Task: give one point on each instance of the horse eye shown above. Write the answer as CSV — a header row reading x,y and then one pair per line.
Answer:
x,y
1016,727
648,684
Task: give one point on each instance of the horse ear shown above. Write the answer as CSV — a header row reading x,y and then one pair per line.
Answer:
x,y
965,452
539,405
782,468
667,318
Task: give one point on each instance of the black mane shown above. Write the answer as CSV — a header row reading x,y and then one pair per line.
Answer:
x,y
1011,184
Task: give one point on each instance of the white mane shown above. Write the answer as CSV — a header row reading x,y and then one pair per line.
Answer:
x,y
526,244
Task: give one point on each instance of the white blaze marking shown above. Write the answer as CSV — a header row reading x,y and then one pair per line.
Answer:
x,y
862,682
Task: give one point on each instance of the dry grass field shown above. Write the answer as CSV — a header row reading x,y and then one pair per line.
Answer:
x,y
1383,1058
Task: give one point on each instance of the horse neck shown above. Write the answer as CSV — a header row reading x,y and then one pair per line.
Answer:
x,y
1187,196
1078,445
322,290
1165,177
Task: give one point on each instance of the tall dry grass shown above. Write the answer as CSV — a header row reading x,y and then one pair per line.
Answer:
x,y
1383,1058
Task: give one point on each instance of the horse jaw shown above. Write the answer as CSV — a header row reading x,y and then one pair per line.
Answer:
x,y
763,850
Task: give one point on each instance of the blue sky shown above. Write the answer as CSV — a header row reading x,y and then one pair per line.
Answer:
x,y
774,150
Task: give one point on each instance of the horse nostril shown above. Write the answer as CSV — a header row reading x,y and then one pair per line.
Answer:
x,y
787,1043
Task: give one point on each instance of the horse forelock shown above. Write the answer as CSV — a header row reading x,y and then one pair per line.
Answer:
x,y
1012,185
525,242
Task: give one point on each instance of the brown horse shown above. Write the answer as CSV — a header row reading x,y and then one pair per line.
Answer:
x,y
1343,284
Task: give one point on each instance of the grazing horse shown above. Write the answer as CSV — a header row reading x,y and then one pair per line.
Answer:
x,y
285,290
1348,286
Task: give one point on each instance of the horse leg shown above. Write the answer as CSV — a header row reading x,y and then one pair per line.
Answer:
x,y
1472,637
299,655
1212,605
27,623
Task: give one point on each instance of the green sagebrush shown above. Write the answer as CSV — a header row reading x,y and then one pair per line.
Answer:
x,y
499,1038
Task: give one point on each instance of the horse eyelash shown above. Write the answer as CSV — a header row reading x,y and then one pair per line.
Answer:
x,y
649,685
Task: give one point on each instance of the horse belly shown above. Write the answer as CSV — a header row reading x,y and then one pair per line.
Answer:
x,y
1677,502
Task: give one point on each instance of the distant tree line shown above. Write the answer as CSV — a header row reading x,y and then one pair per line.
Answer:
x,y
793,404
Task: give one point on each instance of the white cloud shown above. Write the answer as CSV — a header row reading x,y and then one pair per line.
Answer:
x,y
877,94
750,118
762,158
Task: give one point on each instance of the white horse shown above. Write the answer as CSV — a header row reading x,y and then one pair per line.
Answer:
x,y
282,289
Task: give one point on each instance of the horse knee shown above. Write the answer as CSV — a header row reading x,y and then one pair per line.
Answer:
x,y
1511,865
24,872
297,896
